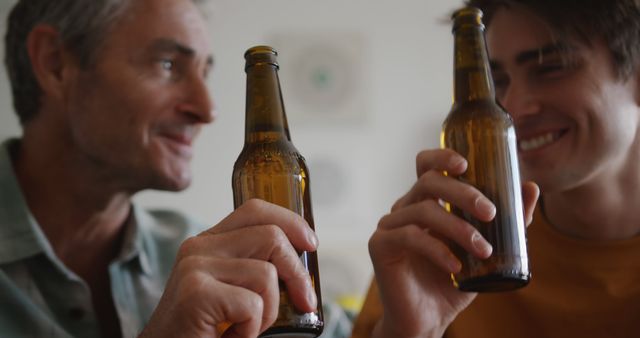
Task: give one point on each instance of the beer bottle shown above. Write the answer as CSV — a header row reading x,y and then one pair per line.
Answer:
x,y
479,129
271,168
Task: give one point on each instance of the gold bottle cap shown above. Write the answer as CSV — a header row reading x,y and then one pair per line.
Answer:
x,y
261,54
467,16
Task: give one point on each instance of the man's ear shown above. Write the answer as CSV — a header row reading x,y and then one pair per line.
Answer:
x,y
48,59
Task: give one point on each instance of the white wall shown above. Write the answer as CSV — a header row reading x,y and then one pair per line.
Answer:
x,y
407,67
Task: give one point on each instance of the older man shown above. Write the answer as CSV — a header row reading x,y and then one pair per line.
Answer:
x,y
111,95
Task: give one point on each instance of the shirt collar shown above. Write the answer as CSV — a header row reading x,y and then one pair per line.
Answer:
x,y
20,236
133,243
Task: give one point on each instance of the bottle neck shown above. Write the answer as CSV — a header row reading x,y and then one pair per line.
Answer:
x,y
473,79
265,116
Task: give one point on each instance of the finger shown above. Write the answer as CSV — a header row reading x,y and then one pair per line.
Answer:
x,y
235,332
241,307
530,194
260,277
266,243
440,160
414,240
259,212
209,304
430,215
435,185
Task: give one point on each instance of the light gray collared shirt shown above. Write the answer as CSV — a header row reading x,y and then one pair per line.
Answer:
x,y
40,297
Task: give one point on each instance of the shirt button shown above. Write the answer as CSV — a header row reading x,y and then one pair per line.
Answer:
x,y
76,313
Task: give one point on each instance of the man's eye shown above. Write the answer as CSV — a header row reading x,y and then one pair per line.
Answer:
x,y
167,64
550,69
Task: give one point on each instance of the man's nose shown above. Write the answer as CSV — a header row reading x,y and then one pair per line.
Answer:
x,y
519,100
198,102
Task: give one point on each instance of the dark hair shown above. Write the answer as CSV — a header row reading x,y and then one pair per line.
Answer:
x,y
617,22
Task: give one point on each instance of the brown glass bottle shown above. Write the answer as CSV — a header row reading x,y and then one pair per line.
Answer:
x,y
480,130
271,168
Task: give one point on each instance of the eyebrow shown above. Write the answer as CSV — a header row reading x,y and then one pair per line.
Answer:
x,y
169,45
536,54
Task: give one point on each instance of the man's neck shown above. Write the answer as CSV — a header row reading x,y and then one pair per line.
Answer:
x,y
603,206
82,217
600,211
81,212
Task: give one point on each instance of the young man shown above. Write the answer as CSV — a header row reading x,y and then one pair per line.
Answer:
x,y
567,71
111,95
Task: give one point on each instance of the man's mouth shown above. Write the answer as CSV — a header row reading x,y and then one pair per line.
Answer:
x,y
539,141
180,139
180,144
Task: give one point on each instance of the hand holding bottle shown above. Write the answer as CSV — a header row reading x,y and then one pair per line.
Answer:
x,y
229,275
411,250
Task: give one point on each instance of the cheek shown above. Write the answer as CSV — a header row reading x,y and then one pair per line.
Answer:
x,y
130,118
617,113
621,128
114,122
109,131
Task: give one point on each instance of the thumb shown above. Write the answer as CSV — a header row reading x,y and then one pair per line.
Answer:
x,y
530,194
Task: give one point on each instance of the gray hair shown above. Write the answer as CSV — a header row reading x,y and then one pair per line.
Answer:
x,y
82,25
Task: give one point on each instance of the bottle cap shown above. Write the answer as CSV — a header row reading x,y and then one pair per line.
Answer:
x,y
261,54
467,16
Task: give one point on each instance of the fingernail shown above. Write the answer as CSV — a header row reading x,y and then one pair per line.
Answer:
x,y
313,238
482,246
311,296
486,207
457,163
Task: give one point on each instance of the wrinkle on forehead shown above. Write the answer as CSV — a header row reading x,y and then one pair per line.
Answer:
x,y
179,20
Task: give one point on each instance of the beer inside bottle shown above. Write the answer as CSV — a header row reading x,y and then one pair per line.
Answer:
x,y
270,168
480,130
